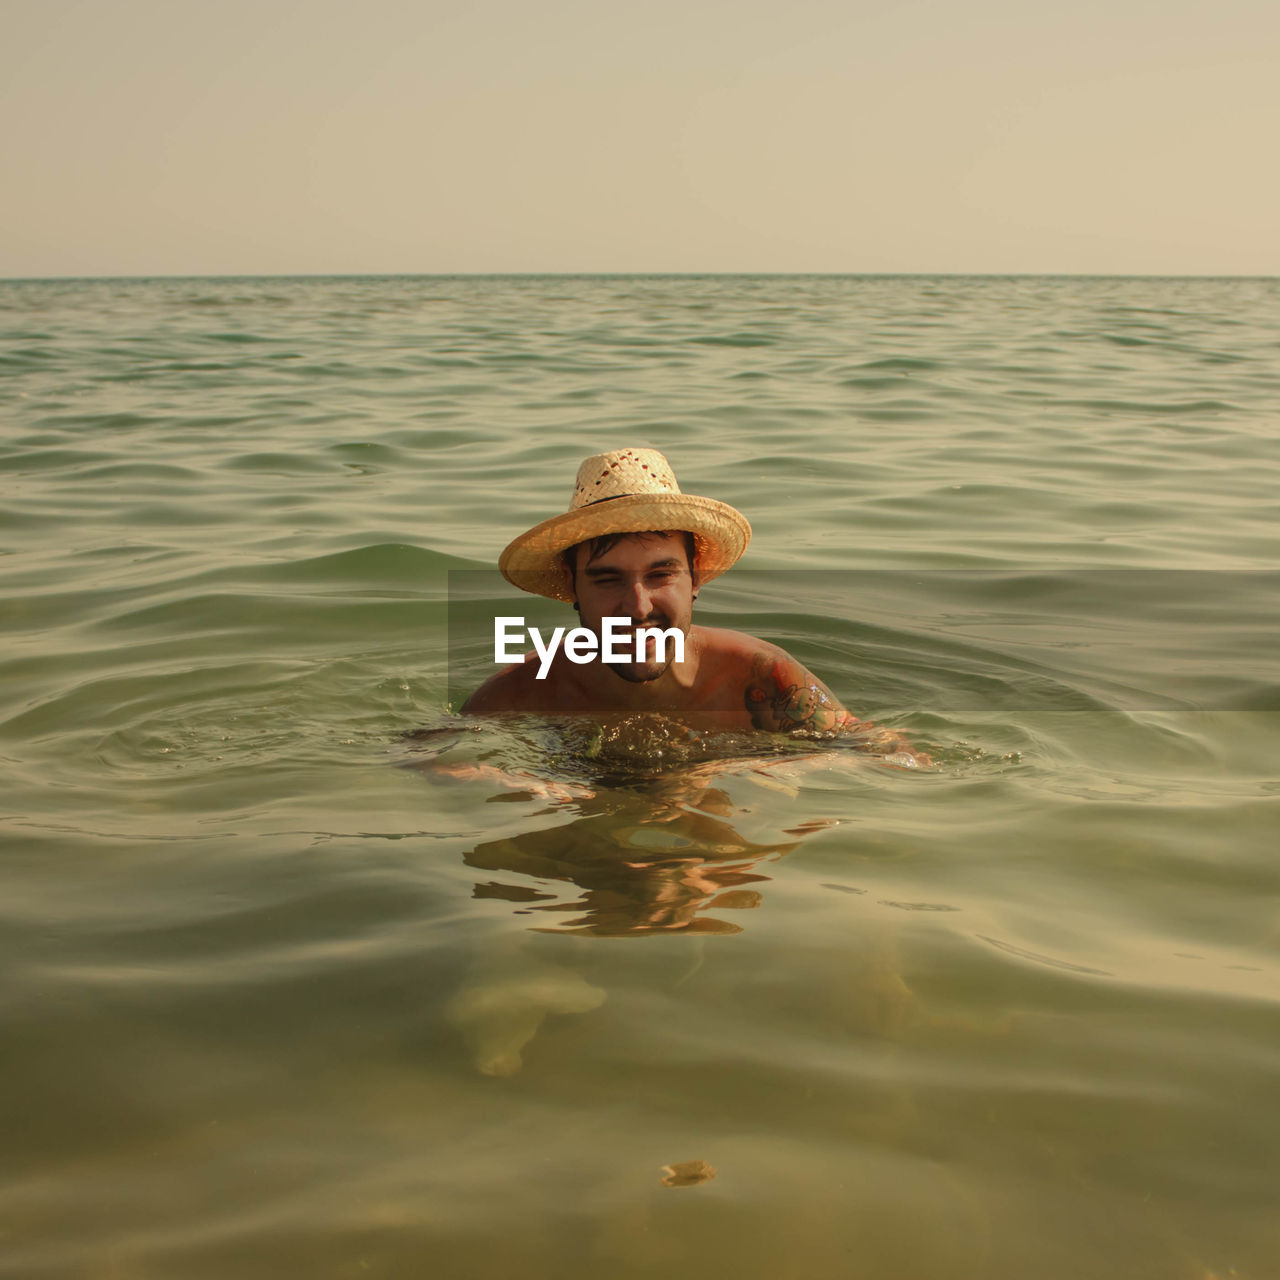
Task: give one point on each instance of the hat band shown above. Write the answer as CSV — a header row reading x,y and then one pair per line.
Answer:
x,y
595,502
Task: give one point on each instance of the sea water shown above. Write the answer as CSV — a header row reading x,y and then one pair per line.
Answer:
x,y
288,993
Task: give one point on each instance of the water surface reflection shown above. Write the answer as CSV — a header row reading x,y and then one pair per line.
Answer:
x,y
651,846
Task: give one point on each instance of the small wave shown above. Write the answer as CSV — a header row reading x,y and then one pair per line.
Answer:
x,y
734,340
52,460
236,338
1152,406
917,906
903,364
143,471
275,463
1049,961
872,383
380,565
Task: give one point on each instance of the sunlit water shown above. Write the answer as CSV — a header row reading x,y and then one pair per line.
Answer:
x,y
291,994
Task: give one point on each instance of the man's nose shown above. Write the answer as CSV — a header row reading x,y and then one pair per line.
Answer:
x,y
638,599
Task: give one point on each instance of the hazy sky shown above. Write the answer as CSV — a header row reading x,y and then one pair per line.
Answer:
x,y
295,136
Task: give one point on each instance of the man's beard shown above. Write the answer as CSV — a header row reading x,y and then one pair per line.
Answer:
x,y
644,672
635,674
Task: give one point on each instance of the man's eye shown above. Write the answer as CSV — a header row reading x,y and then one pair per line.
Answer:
x,y
661,576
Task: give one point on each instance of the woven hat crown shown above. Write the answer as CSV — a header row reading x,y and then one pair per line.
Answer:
x,y
622,472
624,491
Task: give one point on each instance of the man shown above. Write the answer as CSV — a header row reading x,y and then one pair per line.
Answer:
x,y
632,546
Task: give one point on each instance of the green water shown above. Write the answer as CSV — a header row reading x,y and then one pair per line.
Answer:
x,y
283,998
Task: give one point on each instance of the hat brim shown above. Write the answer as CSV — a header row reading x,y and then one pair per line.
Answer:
x,y
533,561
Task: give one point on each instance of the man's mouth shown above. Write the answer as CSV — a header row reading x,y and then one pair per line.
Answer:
x,y
629,633
632,670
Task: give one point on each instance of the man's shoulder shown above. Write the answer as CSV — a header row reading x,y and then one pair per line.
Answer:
x,y
778,691
740,653
720,642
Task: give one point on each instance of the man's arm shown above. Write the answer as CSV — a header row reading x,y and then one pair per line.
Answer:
x,y
781,697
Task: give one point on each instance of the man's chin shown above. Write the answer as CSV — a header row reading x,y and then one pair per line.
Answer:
x,y
638,672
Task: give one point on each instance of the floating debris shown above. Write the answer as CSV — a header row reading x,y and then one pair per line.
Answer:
x,y
688,1173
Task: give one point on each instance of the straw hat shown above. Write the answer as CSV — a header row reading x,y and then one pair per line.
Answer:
x,y
626,491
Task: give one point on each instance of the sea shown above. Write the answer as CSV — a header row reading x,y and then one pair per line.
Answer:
x,y
306,974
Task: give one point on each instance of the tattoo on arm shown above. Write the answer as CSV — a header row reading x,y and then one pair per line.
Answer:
x,y
781,696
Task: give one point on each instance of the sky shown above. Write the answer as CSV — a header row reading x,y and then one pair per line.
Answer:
x,y
281,137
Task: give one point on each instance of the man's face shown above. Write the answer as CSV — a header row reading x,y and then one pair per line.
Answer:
x,y
645,578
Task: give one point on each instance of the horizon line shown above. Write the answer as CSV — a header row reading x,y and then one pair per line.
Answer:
x,y
635,275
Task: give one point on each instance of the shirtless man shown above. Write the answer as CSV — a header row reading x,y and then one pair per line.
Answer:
x,y
728,679
633,546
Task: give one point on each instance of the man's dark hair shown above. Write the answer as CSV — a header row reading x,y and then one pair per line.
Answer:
x,y
607,541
